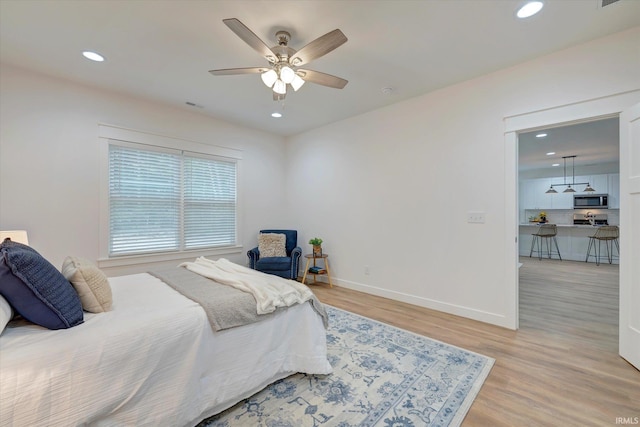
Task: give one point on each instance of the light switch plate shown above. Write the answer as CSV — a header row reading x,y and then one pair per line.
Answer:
x,y
476,217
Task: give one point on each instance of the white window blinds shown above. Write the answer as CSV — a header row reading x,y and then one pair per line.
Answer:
x,y
209,203
166,200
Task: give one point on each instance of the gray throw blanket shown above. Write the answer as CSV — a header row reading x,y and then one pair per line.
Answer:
x,y
226,307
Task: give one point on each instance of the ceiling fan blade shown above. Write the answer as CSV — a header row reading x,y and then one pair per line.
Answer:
x,y
232,71
319,47
322,79
250,38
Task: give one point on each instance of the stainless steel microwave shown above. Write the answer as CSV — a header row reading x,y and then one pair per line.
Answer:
x,y
591,201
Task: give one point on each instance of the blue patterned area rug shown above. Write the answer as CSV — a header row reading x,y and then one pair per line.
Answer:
x,y
383,377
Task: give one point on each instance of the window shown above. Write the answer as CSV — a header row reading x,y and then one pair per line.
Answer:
x,y
167,200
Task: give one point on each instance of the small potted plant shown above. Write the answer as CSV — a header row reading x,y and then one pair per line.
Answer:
x,y
543,217
316,242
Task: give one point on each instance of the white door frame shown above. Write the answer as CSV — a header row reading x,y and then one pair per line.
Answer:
x,y
629,324
566,114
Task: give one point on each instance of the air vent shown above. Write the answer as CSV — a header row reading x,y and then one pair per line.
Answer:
x,y
608,2
193,104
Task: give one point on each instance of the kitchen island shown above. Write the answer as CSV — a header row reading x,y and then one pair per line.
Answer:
x,y
573,241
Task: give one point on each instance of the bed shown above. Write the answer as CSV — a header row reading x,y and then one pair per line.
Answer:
x,y
152,359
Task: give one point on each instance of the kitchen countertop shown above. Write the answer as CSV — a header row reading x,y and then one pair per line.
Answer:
x,y
535,224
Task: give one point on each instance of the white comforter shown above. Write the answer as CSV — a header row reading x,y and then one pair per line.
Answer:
x,y
271,292
152,360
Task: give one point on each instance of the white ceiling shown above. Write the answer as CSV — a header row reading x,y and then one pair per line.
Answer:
x,y
162,49
594,142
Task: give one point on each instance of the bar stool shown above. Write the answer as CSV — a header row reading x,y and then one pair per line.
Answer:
x,y
609,234
547,232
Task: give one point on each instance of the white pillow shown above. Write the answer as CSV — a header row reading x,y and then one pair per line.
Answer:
x,y
90,283
271,244
6,313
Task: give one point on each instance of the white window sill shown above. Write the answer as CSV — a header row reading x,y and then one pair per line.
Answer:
x,y
171,256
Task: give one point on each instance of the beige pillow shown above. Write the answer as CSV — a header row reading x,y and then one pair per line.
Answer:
x,y
271,244
6,313
90,283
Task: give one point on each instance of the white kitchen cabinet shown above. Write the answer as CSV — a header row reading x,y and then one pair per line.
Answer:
x,y
562,200
600,183
597,182
543,200
525,194
533,193
614,190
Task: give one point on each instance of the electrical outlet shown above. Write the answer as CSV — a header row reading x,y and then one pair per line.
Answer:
x,y
367,270
476,217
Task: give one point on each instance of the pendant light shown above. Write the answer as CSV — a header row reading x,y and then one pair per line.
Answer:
x,y
570,187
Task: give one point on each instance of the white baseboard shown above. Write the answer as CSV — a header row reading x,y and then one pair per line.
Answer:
x,y
470,313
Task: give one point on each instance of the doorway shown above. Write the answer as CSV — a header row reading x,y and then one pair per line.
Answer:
x,y
589,110
568,297
556,164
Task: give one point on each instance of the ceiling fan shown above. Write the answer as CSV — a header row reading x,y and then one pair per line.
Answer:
x,y
284,61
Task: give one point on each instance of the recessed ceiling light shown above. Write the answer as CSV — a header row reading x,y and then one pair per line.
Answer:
x,y
529,9
541,135
276,115
93,56
551,153
555,164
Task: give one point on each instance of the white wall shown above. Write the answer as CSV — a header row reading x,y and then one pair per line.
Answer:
x,y
391,189
49,162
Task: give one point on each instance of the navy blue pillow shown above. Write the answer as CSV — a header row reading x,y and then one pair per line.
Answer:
x,y
36,289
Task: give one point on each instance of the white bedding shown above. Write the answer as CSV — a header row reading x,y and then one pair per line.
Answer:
x,y
269,291
152,360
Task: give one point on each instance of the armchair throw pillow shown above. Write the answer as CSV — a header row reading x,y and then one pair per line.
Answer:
x,y
272,245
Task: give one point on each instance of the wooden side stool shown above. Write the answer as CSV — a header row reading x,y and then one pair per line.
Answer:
x,y
327,272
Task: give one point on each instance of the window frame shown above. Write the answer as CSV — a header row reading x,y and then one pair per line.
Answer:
x,y
108,134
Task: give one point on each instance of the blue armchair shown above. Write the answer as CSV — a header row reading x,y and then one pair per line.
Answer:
x,y
286,267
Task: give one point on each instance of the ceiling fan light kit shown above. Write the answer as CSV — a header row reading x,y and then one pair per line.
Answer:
x,y
278,80
297,82
287,74
269,77
284,61
280,87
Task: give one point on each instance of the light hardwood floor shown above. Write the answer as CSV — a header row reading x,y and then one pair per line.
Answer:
x,y
561,368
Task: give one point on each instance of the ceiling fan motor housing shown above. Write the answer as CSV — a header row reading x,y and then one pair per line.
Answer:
x,y
283,37
284,61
